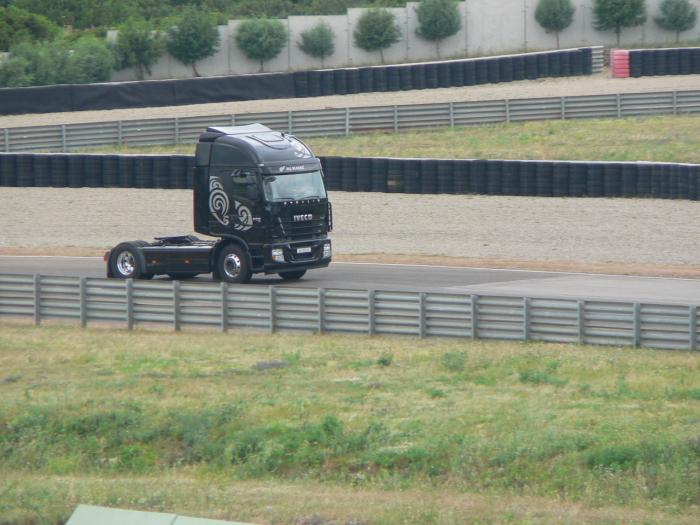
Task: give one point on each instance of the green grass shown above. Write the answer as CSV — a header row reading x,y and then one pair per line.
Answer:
x,y
661,139
287,428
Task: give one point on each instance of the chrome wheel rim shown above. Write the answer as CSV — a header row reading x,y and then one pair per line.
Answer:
x,y
232,265
125,263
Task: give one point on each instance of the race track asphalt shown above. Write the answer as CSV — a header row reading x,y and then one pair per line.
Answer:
x,y
483,281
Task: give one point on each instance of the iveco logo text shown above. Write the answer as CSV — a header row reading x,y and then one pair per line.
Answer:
x,y
304,217
284,169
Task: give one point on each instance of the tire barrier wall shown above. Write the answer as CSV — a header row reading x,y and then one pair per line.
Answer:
x,y
655,62
82,97
389,175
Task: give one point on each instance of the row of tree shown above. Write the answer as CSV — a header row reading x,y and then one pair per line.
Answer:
x,y
194,36
676,15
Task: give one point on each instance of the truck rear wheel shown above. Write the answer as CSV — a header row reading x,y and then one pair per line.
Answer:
x,y
232,264
292,275
125,264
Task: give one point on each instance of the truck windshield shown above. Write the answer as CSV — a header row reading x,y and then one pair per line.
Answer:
x,y
294,186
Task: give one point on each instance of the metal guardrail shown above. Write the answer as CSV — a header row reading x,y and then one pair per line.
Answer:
x,y
346,121
221,306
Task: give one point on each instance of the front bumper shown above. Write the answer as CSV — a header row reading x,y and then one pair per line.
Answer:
x,y
298,255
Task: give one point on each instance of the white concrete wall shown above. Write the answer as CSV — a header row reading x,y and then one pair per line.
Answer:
x,y
488,27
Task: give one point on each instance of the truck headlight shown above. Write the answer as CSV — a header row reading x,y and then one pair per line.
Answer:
x,y
278,255
327,250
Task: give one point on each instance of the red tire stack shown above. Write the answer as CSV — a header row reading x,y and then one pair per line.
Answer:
x,y
620,63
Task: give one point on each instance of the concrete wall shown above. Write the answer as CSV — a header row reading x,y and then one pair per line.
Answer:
x,y
488,27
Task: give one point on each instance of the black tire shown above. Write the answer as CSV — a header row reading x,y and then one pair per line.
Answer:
x,y
232,265
124,263
293,275
180,276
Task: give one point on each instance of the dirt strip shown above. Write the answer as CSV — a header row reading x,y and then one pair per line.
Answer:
x,y
551,87
618,236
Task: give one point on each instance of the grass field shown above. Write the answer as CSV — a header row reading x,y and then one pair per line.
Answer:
x,y
310,429
661,139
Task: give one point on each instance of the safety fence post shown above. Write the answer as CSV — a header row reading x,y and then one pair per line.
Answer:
x,y
475,316
526,318
130,304
507,101
273,292
675,102
233,120
347,122
618,100
421,315
120,133
176,305
290,120
36,278
370,312
224,306
177,130
452,114
7,140
396,119
83,302
63,138
636,325
321,310
562,106
693,327
581,308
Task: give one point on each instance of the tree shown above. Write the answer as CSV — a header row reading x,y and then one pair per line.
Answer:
x,y
261,39
376,30
318,41
138,45
618,14
677,15
554,16
437,20
18,25
89,60
194,37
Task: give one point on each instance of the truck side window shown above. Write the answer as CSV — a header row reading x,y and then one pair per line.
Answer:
x,y
224,155
245,185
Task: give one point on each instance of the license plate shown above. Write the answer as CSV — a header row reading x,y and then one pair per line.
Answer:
x,y
306,249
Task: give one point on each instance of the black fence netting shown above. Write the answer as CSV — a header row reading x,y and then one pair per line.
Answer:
x,y
376,174
453,73
657,62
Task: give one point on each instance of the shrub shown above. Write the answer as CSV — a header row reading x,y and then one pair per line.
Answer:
x,y
678,16
376,31
437,20
261,39
86,60
18,25
138,45
554,16
194,37
318,41
454,361
618,14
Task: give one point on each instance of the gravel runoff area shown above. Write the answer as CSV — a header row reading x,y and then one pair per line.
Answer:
x,y
556,233
552,87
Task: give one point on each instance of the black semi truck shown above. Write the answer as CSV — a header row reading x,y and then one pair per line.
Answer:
x,y
261,193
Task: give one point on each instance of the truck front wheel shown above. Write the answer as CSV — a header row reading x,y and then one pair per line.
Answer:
x,y
232,265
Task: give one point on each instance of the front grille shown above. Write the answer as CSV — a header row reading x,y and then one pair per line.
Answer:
x,y
295,230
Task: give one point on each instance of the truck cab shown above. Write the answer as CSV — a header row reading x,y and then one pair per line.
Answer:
x,y
261,193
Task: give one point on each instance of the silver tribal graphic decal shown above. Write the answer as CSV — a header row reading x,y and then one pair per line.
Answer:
x,y
244,219
218,201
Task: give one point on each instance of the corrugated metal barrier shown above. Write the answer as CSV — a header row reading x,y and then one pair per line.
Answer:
x,y
273,309
346,121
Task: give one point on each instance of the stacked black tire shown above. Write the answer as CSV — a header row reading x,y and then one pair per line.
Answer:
x,y
453,73
377,174
96,171
656,62
513,177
